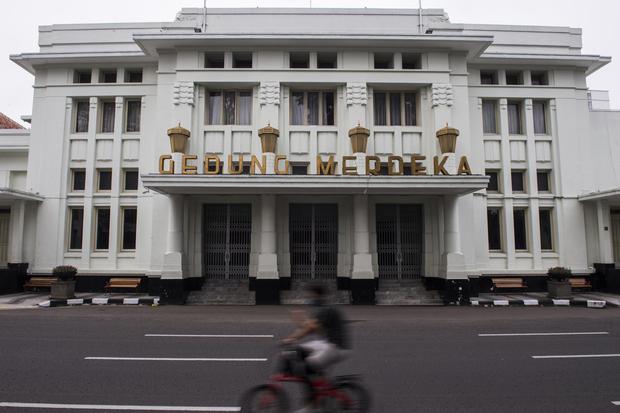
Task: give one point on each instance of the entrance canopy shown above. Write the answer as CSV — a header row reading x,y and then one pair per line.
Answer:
x,y
7,194
314,184
611,196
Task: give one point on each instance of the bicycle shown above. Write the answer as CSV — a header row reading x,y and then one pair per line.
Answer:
x,y
339,394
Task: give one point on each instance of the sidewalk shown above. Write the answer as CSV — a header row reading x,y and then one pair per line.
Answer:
x,y
35,300
586,299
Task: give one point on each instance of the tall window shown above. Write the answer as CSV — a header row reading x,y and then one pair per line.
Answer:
x,y
130,219
108,110
540,118
81,116
134,109
494,228
520,228
312,108
546,229
489,116
515,123
76,222
230,107
395,108
102,226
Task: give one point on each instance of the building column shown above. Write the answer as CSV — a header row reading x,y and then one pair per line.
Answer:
x,y
15,253
453,259
605,242
363,282
172,288
267,283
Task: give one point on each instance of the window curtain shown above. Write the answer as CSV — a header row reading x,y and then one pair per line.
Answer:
x,y
514,118
395,109
229,108
540,124
410,115
380,106
133,116
215,108
489,117
107,125
81,124
328,108
245,108
297,108
313,108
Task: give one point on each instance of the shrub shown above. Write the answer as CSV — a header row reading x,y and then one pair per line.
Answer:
x,y
559,273
65,272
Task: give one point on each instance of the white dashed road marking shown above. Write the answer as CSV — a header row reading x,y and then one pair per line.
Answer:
x,y
113,407
212,335
175,359
584,333
576,356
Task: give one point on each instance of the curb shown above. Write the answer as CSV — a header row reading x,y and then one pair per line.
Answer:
x,y
100,301
545,303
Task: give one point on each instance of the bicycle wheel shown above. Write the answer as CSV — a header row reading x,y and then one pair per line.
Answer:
x,y
264,399
352,398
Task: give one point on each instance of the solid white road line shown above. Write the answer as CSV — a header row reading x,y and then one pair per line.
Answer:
x,y
585,333
616,403
212,335
174,359
576,356
121,407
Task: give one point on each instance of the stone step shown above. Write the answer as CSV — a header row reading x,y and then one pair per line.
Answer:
x,y
223,292
405,292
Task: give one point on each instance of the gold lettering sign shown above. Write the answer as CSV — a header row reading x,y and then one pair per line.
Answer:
x,y
276,166
417,168
231,166
439,167
325,168
376,168
346,169
186,168
212,160
262,165
464,168
399,161
162,162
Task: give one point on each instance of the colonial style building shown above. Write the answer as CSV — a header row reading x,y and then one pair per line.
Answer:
x,y
260,148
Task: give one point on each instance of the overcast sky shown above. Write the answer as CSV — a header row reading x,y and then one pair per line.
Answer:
x,y
20,19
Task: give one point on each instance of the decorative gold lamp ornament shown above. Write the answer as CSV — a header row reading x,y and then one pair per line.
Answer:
x,y
269,138
447,139
359,138
178,138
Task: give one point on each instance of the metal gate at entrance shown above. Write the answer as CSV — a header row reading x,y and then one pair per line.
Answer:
x,y
313,238
227,234
4,236
400,240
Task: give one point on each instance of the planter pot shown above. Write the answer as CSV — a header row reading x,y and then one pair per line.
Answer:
x,y
62,290
559,289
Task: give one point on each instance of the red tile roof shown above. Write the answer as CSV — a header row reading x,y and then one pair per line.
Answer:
x,y
8,123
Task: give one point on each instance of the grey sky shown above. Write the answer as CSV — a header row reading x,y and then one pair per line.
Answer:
x,y
20,19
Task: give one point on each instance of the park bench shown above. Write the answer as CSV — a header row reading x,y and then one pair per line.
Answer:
x,y
508,283
579,283
40,282
122,283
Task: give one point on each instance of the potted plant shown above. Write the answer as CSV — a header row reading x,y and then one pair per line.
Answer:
x,y
558,284
64,286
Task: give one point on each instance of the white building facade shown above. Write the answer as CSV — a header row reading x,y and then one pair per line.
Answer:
x,y
531,183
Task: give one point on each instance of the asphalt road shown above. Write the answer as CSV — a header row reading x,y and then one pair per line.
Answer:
x,y
412,359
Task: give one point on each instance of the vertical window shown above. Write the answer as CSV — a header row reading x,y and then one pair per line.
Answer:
x,y
104,179
134,109
391,108
494,228
540,117
488,77
133,76
230,107
78,179
514,118
130,219
108,110
81,116
493,181
107,76
102,227
76,222
384,61
520,228
242,60
517,178
514,78
540,78
327,60
131,180
411,61
214,60
489,116
299,60
312,108
546,229
542,178
82,76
